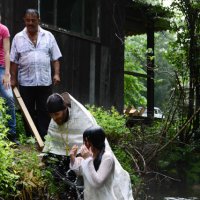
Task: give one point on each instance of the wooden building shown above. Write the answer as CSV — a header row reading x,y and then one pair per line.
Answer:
x,y
90,34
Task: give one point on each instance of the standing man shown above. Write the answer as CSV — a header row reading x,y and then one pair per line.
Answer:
x,y
33,51
5,89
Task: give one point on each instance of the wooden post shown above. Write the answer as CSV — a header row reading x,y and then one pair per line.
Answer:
x,y
150,71
28,117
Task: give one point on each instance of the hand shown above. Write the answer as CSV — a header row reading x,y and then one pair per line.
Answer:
x,y
13,82
56,79
73,152
6,81
85,152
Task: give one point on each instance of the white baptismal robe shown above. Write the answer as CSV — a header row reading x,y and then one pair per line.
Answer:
x,y
100,184
60,137
71,132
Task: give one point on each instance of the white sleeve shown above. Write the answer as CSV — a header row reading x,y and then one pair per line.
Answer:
x,y
97,178
76,167
14,57
55,51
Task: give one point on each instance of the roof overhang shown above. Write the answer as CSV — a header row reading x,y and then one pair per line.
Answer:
x,y
139,17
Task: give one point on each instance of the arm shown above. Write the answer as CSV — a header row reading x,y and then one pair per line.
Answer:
x,y
56,77
75,162
14,58
55,54
6,77
14,73
97,178
72,154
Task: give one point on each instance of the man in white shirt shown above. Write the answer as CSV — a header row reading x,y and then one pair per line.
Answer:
x,y
33,51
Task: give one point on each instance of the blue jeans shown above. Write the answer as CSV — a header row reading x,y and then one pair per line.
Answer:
x,y
10,103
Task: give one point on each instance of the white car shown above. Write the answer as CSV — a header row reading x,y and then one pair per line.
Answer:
x,y
157,113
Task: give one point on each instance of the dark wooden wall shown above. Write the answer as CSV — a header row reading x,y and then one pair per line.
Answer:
x,y
12,13
112,52
92,71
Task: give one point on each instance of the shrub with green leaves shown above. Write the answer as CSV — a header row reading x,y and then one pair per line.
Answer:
x,y
20,129
7,177
111,120
21,176
32,179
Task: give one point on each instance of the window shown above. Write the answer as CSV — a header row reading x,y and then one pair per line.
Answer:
x,y
79,16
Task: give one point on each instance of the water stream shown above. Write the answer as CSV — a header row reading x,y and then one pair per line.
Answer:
x,y
173,192
180,198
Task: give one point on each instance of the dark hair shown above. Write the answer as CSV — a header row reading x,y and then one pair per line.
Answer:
x,y
96,136
32,11
55,103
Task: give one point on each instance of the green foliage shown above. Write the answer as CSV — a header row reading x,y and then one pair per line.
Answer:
x,y
164,72
127,164
3,117
32,181
182,163
7,177
52,187
20,129
21,176
21,132
193,169
153,7
134,87
112,122
184,55
135,61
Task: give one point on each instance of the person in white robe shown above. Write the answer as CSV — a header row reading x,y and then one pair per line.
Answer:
x,y
69,121
97,166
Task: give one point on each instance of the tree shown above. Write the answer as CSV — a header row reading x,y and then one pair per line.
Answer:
x,y
135,64
188,43
134,87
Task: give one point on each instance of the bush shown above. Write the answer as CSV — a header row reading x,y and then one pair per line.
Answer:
x,y
7,177
21,176
20,129
111,120
33,179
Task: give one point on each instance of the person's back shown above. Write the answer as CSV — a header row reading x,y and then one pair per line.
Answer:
x,y
100,190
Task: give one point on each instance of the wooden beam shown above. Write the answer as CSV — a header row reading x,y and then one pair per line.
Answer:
x,y
135,74
28,117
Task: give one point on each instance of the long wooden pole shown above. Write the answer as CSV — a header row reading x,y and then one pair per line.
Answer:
x,y
28,117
